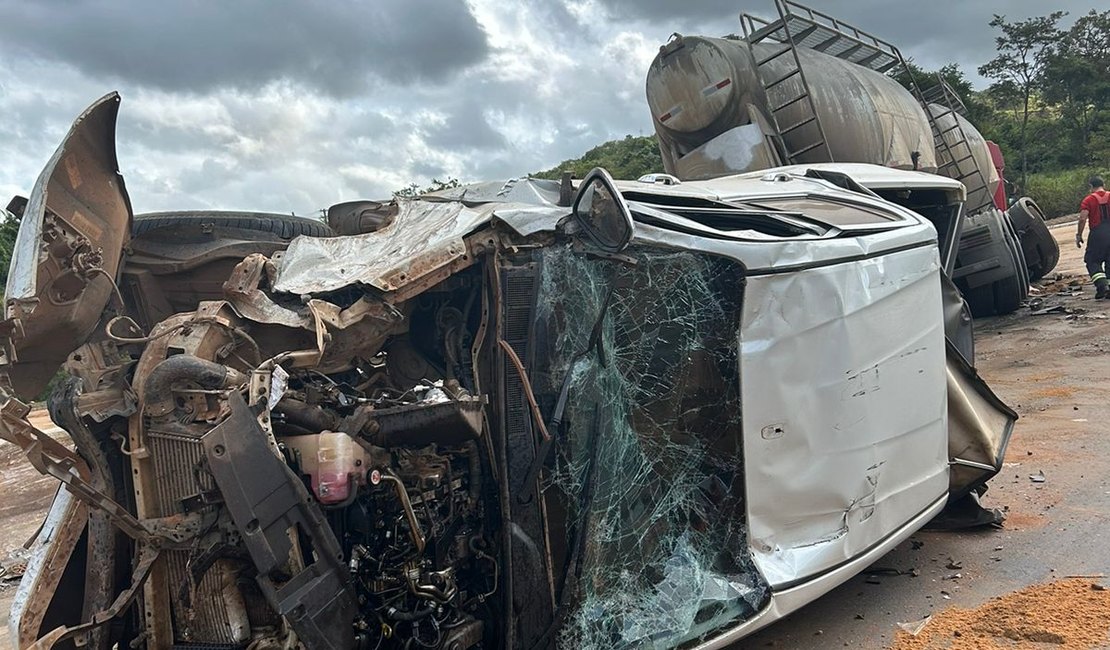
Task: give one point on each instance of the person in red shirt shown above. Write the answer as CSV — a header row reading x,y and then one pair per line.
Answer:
x,y
1096,209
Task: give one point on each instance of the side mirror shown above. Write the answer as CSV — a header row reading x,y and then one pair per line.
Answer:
x,y
602,212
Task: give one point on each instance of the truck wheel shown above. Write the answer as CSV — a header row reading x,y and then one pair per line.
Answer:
x,y
282,225
1039,247
1011,290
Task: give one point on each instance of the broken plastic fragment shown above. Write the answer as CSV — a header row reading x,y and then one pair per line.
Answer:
x,y
913,628
279,382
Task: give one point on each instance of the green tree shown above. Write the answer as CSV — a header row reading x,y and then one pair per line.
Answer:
x,y
628,158
1076,79
1023,50
9,227
412,190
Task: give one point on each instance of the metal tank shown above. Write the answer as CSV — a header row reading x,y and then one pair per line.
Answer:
x,y
699,88
947,120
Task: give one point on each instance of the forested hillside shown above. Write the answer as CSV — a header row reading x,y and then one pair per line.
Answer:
x,y
629,157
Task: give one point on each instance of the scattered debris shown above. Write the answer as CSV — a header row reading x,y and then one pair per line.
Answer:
x,y
13,564
1039,477
954,565
1055,309
914,628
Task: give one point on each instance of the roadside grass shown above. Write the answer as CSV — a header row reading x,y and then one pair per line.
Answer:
x,y
1059,193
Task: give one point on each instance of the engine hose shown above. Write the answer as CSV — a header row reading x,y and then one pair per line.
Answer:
x,y
158,387
307,416
414,615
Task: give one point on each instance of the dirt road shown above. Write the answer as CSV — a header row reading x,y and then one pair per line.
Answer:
x,y
1053,368
26,496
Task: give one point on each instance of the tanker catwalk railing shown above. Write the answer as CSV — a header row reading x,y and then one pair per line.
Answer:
x,y
800,26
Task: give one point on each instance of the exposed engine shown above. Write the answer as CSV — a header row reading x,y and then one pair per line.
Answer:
x,y
392,450
389,439
409,517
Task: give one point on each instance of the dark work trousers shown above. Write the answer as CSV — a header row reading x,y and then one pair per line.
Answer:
x,y
1097,257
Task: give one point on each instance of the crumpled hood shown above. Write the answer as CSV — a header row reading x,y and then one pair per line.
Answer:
x,y
69,248
424,237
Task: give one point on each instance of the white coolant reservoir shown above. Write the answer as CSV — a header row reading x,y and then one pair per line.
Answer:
x,y
334,462
339,464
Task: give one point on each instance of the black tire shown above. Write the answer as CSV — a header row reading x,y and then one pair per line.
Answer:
x,y
1039,247
283,226
1011,290
1014,243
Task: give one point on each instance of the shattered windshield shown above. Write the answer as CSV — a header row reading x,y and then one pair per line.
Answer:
x,y
651,467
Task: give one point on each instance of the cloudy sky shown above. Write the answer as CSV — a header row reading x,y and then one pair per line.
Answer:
x,y
292,106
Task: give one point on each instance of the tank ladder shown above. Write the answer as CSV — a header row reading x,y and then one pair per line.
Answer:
x,y
799,26
781,95
956,157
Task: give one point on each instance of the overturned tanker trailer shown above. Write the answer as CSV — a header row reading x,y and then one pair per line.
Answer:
x,y
508,415
807,88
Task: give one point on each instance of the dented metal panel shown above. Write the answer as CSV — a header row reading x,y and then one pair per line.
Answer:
x,y
848,439
979,427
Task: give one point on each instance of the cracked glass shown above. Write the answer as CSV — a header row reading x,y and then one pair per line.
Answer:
x,y
650,467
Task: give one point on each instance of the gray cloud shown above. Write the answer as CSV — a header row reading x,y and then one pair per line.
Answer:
x,y
932,33
197,46
286,106
466,128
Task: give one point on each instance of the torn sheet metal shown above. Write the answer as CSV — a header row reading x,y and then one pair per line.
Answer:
x,y
533,191
424,237
68,251
50,554
244,291
979,427
857,426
